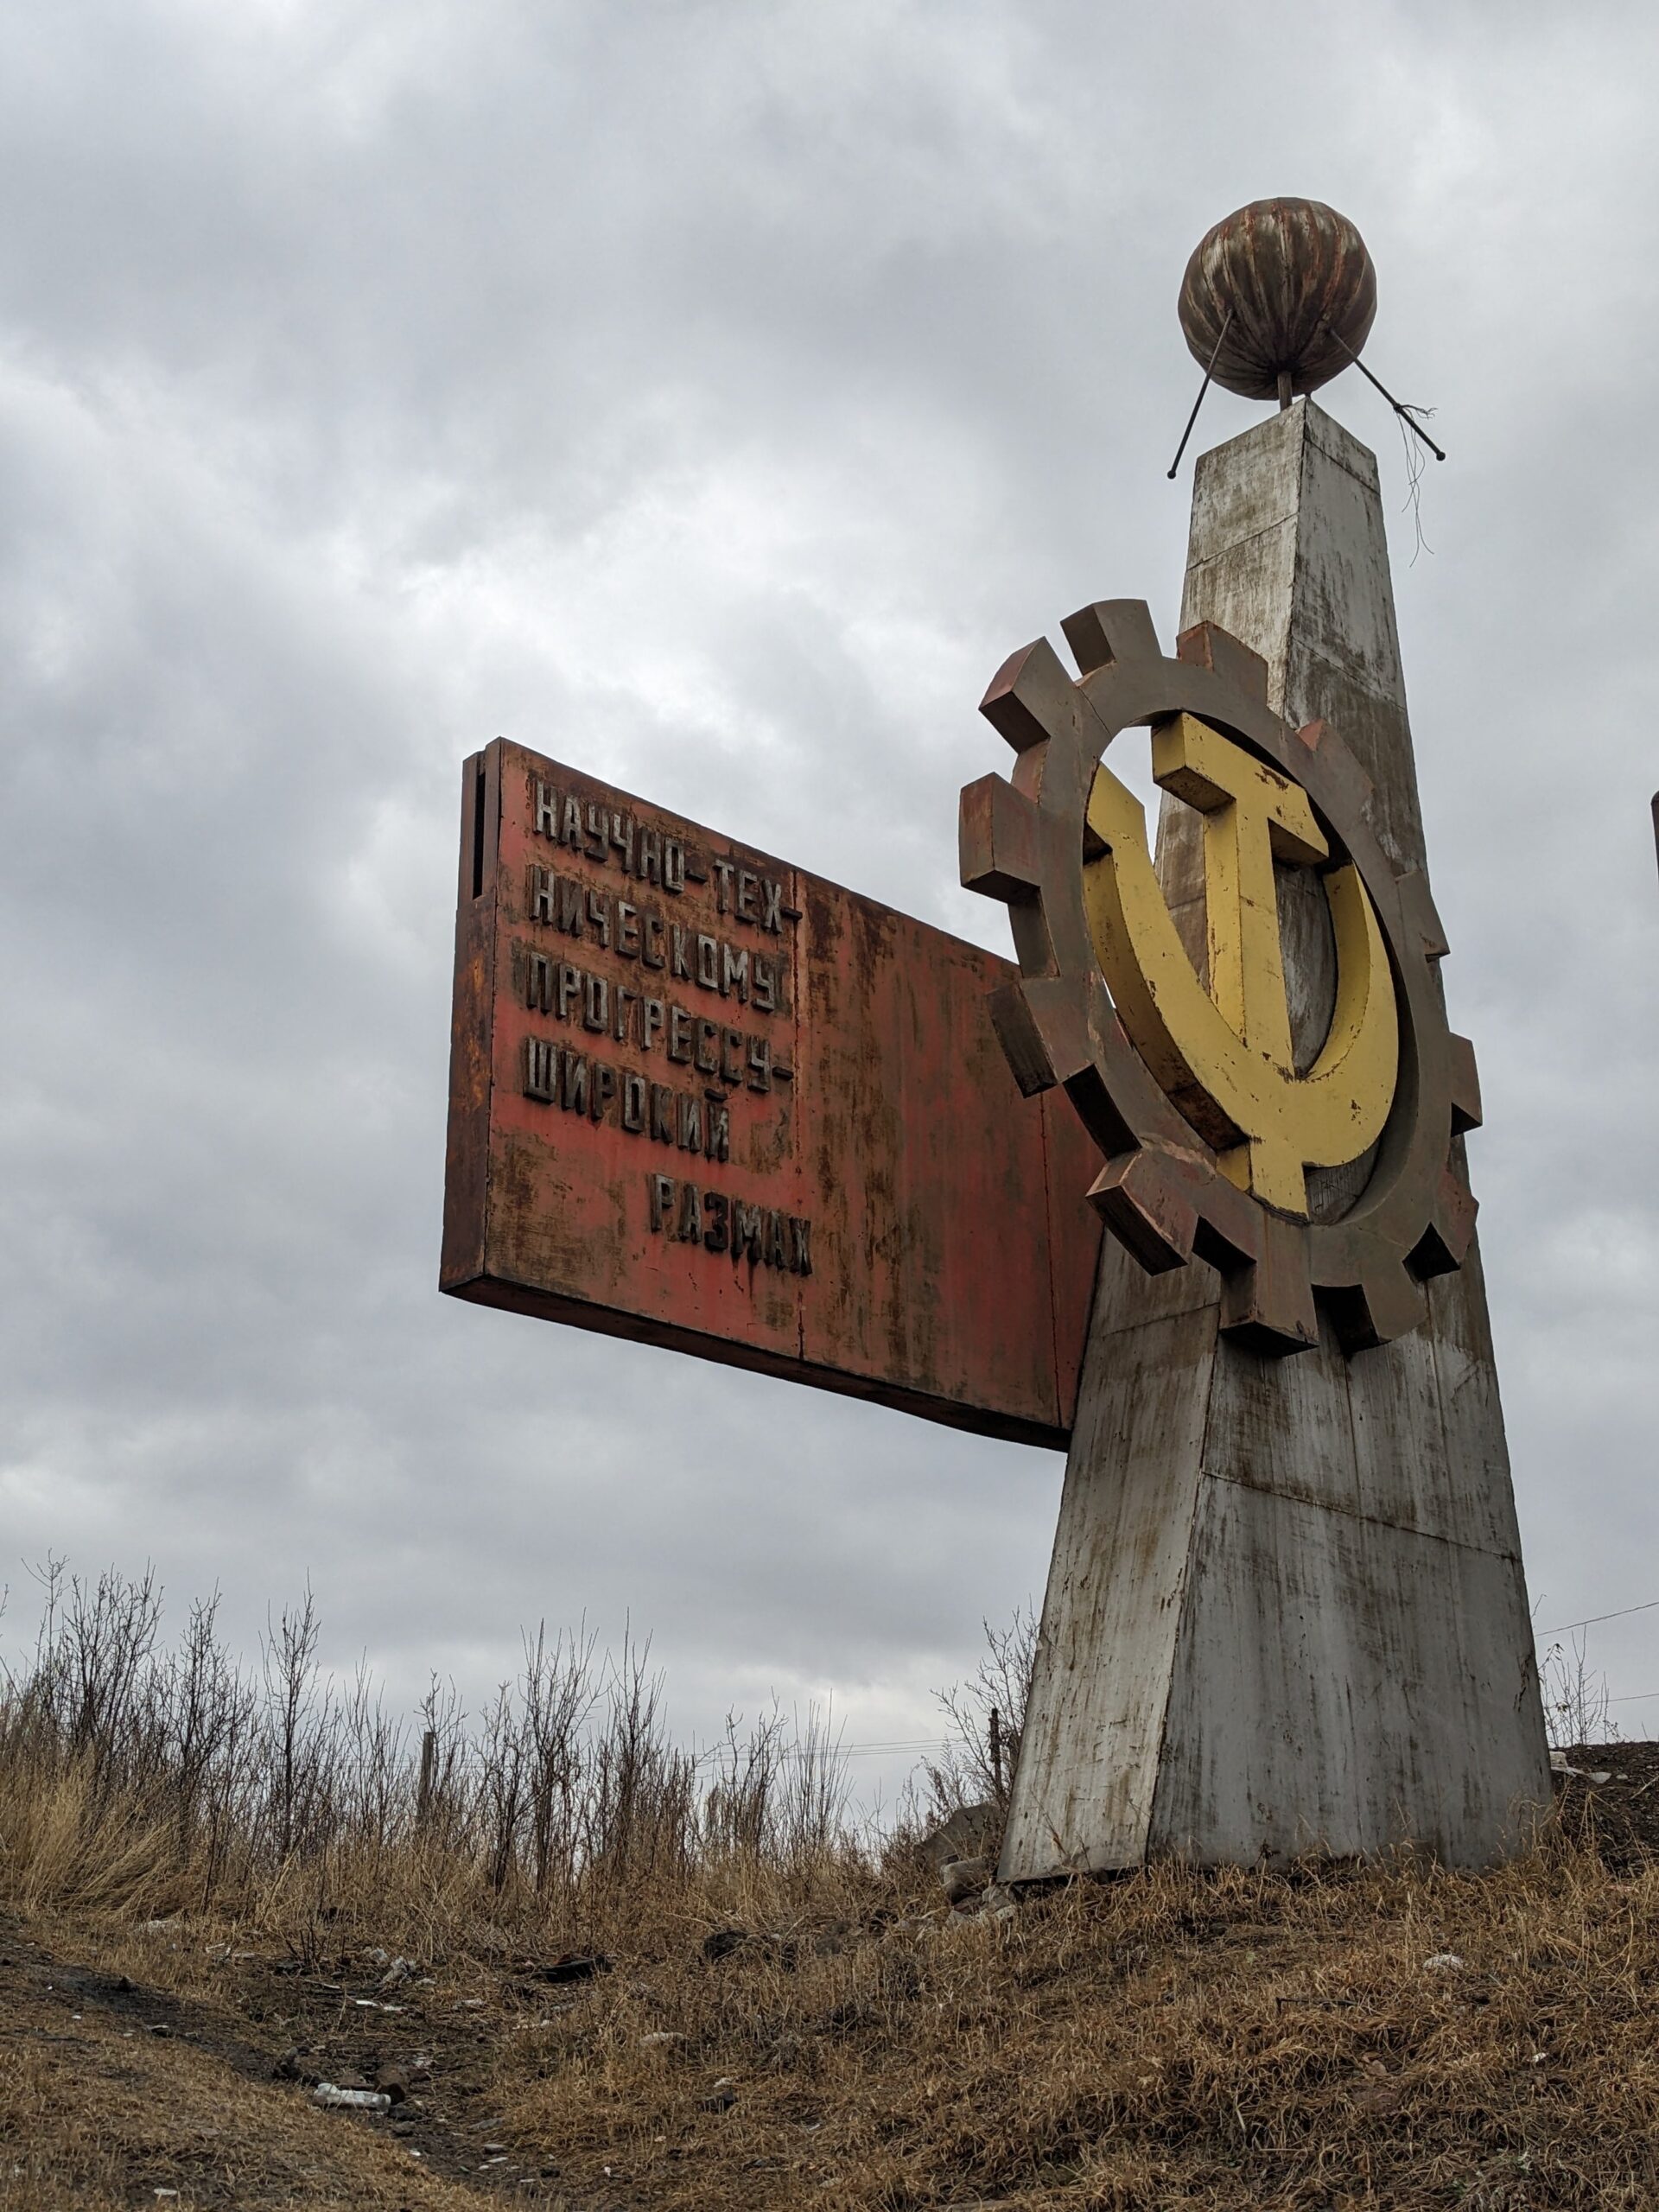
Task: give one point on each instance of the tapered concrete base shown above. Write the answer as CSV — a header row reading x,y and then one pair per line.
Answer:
x,y
1287,1612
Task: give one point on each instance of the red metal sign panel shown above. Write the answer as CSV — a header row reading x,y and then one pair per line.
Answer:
x,y
702,1098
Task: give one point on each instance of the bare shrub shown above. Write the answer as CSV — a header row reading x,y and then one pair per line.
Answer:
x,y
987,1718
1575,1696
135,1775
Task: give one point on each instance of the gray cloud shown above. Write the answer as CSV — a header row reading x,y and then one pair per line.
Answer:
x,y
712,395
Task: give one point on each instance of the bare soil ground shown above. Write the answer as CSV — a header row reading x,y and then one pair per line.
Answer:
x,y
1394,2036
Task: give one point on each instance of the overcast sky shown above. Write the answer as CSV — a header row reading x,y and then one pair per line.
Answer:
x,y
713,396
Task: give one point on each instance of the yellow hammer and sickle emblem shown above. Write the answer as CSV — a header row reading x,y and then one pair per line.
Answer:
x,y
1225,1055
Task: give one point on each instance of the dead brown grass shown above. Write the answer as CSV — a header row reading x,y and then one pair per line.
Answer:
x,y
1167,2040
94,2117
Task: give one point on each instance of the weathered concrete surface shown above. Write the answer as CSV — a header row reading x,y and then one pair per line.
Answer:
x,y
1286,1611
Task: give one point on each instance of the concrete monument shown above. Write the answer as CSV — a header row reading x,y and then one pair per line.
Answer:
x,y
1286,1611
704,1099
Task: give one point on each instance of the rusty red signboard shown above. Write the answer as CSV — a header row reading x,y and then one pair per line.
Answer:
x,y
704,1099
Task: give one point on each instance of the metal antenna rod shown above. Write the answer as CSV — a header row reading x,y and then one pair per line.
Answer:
x,y
1404,413
1227,322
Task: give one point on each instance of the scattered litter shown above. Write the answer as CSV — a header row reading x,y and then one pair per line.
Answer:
x,y
1443,1963
336,2099
399,1971
1559,1765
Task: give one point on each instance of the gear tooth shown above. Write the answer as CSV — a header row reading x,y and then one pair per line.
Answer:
x,y
1059,1007
1444,1245
1042,1024
1023,1046
1268,1306
1112,629
998,841
1388,1302
1465,1086
1207,645
1352,786
1139,1196
1417,904
1032,697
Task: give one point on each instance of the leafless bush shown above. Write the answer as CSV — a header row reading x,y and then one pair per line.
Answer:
x,y
175,1776
778,1791
557,1697
1575,1697
987,1718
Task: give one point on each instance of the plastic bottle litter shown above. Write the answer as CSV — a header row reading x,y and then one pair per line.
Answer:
x,y
336,2100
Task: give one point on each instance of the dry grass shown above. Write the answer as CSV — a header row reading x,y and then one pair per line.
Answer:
x,y
1167,2040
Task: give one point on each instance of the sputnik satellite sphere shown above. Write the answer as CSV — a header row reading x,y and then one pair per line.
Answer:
x,y
1281,295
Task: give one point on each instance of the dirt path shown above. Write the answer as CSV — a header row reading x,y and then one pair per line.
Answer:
x,y
117,2089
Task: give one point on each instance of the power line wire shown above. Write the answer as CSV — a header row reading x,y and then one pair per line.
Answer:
x,y
1623,1614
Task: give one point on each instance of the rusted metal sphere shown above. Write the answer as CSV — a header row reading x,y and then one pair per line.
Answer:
x,y
1298,280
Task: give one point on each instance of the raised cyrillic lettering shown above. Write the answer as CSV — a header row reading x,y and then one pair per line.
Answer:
x,y
541,1069
745,1231
689,1228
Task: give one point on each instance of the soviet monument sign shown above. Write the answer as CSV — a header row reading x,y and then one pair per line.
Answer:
x,y
701,1098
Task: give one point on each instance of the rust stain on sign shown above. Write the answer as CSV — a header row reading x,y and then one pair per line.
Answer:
x,y
703,1099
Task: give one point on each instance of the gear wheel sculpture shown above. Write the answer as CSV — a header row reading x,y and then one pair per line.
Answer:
x,y
1169,1191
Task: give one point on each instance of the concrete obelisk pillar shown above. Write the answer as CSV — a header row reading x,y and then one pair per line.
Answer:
x,y
1286,1611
